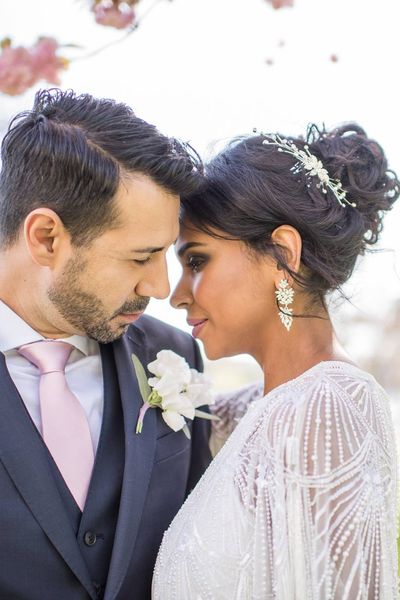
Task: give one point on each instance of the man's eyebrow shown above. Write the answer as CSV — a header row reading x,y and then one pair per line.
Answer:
x,y
186,247
150,250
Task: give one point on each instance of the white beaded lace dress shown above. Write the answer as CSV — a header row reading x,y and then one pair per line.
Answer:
x,y
300,502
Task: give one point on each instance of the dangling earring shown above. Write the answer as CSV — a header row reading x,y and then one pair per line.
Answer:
x,y
284,296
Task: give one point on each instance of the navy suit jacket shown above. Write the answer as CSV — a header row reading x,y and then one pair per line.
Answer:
x,y
40,558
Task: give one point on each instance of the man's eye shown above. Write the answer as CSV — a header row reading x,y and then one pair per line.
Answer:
x,y
143,261
195,262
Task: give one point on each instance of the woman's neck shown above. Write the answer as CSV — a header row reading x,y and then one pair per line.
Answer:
x,y
286,355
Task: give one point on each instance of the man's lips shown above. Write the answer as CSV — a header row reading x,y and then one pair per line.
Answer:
x,y
130,317
197,325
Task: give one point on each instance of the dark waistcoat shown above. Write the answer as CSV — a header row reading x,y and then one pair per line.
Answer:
x,y
95,527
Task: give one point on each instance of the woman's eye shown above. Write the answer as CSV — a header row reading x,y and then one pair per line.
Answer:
x,y
195,262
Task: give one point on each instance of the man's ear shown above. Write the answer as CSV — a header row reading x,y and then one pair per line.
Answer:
x,y
289,239
45,235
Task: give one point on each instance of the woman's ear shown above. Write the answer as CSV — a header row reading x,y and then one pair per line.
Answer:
x,y
289,240
45,236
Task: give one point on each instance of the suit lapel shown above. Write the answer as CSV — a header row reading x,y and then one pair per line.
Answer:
x,y
139,457
26,459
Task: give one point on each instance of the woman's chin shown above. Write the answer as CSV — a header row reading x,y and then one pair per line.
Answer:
x,y
212,355
211,351
215,353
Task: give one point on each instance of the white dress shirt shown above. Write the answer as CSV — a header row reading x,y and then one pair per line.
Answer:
x,y
83,372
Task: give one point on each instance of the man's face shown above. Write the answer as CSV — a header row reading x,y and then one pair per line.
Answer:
x,y
104,287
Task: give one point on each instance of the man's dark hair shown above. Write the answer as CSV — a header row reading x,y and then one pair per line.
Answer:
x,y
69,154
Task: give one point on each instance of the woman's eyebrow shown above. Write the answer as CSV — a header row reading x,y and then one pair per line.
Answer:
x,y
181,251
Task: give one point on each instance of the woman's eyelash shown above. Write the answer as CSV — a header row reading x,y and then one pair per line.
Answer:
x,y
194,262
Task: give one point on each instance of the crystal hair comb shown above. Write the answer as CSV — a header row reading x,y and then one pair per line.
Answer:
x,y
312,165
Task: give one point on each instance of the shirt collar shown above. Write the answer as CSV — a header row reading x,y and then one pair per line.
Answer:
x,y
14,332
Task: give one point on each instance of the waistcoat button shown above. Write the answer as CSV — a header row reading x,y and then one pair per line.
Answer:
x,y
90,538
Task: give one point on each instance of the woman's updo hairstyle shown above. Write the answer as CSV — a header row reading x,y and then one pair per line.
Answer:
x,y
252,188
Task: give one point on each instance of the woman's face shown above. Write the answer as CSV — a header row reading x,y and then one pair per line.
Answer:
x,y
227,292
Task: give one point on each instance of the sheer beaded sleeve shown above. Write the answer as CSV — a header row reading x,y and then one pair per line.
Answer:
x,y
299,503
230,407
322,491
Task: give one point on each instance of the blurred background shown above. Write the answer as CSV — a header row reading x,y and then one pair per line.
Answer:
x,y
205,70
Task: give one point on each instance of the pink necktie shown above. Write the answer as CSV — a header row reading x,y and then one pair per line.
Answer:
x,y
65,428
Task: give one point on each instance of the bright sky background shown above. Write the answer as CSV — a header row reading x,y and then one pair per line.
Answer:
x,y
197,69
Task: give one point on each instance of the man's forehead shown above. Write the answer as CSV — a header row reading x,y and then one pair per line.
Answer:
x,y
138,185
149,211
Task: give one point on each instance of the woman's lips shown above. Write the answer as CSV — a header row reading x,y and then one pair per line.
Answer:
x,y
197,325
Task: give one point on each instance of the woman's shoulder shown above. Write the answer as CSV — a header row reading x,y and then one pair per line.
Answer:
x,y
333,405
332,380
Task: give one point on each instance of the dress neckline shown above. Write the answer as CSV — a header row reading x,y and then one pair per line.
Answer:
x,y
340,364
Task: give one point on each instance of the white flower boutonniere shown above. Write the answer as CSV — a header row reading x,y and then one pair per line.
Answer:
x,y
176,388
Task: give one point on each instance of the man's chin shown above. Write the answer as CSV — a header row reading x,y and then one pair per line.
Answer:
x,y
109,336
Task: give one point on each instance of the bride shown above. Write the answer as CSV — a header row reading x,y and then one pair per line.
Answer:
x,y
300,502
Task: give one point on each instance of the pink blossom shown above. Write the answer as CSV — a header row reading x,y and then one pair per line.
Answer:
x,y
21,68
281,3
46,63
16,72
113,15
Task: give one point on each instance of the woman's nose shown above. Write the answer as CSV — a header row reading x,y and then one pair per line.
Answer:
x,y
180,297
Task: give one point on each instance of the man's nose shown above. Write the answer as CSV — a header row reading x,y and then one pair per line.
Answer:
x,y
156,283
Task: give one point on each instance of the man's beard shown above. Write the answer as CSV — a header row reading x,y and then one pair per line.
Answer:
x,y
86,311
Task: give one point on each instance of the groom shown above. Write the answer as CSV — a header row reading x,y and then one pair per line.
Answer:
x,y
89,204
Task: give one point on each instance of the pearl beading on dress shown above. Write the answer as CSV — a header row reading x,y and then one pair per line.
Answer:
x,y
300,502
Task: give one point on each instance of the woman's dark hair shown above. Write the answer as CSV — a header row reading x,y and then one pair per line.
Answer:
x,y
251,188
69,153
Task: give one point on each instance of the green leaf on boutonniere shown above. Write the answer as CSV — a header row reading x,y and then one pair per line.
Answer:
x,y
144,387
186,431
206,415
